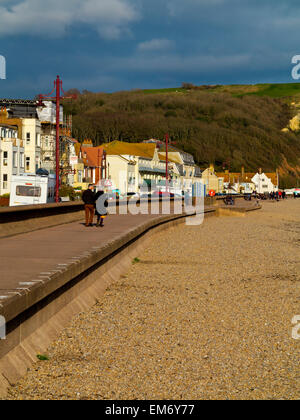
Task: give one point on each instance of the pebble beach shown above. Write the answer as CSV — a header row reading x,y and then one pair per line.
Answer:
x,y
205,312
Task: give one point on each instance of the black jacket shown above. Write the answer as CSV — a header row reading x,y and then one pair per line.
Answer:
x,y
103,211
88,197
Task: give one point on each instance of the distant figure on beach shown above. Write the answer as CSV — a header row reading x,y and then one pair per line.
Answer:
x,y
88,198
101,206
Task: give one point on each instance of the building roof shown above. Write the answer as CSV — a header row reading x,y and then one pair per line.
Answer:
x,y
92,156
247,177
273,177
18,101
162,157
233,177
20,108
145,150
12,127
187,158
172,157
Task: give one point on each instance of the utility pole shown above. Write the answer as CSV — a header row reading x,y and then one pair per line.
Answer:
x,y
105,164
99,166
167,163
57,88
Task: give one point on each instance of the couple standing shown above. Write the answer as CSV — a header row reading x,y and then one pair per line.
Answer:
x,y
90,199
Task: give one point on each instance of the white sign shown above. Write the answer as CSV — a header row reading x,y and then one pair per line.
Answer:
x,y
104,183
74,160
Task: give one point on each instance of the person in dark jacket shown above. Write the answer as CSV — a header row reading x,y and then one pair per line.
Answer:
x,y
88,198
101,206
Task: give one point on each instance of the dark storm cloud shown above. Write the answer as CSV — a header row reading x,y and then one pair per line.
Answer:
x,y
122,44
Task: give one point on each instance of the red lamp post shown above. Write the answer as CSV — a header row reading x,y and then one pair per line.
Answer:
x,y
167,160
57,88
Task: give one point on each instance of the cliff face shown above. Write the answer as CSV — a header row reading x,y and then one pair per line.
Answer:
x,y
295,123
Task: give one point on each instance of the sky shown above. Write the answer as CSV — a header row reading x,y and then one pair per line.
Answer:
x,y
113,45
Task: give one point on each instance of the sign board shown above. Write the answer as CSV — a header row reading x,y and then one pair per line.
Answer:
x,y
74,160
212,193
105,183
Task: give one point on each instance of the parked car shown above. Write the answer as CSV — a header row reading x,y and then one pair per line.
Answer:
x,y
115,196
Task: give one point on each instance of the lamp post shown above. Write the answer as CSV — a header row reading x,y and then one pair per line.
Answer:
x,y
57,89
167,160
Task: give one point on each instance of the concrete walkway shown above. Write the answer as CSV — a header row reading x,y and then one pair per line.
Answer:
x,y
31,256
25,257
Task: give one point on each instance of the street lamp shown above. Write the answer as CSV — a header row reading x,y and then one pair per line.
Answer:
x,y
58,88
167,160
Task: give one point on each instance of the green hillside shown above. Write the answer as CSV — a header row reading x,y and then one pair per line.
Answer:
x,y
289,91
240,125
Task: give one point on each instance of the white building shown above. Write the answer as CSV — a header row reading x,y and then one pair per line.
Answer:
x,y
265,183
11,156
31,132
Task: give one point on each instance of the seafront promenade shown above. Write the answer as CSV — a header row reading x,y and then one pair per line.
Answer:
x,y
204,312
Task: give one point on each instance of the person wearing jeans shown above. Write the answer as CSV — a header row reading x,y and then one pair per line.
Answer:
x,y
88,198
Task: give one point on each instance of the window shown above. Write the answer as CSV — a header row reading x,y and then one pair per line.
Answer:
x,y
5,158
28,191
27,163
15,159
5,181
51,192
21,160
27,138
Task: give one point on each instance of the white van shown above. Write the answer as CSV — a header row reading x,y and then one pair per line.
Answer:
x,y
32,189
